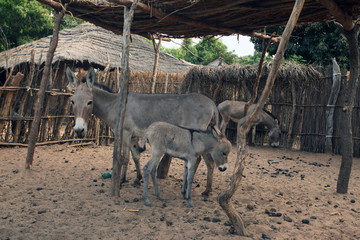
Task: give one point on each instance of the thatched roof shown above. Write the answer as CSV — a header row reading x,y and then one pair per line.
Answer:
x,y
205,79
195,18
96,45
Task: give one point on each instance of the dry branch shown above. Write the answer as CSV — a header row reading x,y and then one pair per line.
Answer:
x,y
118,157
41,93
225,196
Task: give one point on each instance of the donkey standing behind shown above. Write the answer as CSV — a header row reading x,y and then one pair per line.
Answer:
x,y
194,111
186,144
234,110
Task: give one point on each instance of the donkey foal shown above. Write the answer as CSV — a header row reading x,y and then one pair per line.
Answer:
x,y
186,144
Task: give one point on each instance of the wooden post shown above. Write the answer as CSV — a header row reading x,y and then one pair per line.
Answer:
x,y
335,89
7,105
29,79
156,63
252,100
346,116
219,85
41,94
125,74
351,32
290,137
166,82
225,196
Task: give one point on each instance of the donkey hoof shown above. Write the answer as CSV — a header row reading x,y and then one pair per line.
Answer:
x,y
206,193
136,183
123,181
190,204
147,203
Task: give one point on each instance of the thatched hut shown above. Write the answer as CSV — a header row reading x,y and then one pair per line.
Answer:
x,y
294,84
81,47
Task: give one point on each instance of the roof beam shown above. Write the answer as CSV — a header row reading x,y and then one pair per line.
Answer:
x,y
174,18
341,16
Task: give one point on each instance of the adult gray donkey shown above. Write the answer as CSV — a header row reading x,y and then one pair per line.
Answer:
x,y
193,111
235,111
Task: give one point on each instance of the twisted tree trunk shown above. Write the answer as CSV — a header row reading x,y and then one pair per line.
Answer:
x,y
244,126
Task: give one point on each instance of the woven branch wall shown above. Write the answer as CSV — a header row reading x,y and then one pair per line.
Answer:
x,y
298,100
18,94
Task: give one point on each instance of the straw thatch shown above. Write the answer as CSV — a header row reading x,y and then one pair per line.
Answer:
x,y
241,78
184,18
95,45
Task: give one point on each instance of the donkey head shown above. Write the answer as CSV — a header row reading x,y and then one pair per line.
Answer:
x,y
274,134
82,100
221,150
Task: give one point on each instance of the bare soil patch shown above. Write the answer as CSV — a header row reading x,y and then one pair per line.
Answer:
x,y
284,195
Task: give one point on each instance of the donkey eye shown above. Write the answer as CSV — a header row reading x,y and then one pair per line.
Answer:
x,y
224,154
72,102
89,103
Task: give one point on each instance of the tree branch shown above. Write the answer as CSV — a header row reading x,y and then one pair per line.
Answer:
x,y
245,124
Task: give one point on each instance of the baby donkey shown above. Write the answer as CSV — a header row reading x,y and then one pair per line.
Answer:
x,y
186,144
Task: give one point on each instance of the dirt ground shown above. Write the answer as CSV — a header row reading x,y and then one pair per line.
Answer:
x,y
284,195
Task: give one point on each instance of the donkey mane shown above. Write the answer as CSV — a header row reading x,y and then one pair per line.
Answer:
x,y
271,115
103,87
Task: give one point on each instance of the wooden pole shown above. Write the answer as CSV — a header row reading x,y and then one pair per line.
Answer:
x,y
351,31
289,137
347,110
259,73
335,89
125,74
7,104
156,63
41,94
225,196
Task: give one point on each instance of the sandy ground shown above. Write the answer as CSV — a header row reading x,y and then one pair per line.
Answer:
x,y
284,195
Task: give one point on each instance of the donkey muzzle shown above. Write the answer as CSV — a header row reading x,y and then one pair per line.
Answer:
x,y
222,168
80,128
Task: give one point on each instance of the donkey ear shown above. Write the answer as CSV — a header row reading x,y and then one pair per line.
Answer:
x,y
90,77
217,133
71,77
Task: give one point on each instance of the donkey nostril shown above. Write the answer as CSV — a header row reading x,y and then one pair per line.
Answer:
x,y
82,130
222,169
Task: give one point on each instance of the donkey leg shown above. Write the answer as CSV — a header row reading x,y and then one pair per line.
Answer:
x,y
210,164
154,179
136,158
184,185
190,178
125,161
146,171
125,156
